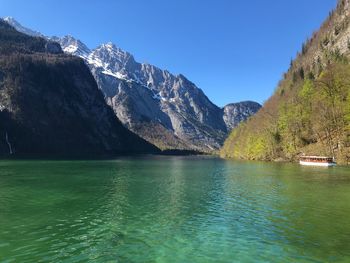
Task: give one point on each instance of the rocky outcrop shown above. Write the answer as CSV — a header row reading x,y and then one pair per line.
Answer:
x,y
236,113
53,47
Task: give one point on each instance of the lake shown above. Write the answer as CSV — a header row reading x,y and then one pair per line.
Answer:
x,y
173,209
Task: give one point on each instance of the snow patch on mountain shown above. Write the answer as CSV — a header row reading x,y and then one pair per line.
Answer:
x,y
117,75
70,49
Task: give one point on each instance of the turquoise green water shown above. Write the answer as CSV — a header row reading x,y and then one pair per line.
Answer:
x,y
173,209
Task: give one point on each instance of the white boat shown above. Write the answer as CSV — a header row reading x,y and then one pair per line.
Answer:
x,y
317,161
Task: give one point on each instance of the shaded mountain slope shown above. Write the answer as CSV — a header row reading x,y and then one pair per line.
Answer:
x,y
50,103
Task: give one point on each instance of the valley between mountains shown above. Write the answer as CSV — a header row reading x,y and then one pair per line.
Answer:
x,y
166,110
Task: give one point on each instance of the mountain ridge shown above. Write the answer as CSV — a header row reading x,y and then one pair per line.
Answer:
x,y
177,112
118,68
50,104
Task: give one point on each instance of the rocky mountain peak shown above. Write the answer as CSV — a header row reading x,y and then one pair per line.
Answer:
x,y
73,46
115,57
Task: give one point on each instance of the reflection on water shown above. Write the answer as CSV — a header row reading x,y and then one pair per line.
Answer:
x,y
173,209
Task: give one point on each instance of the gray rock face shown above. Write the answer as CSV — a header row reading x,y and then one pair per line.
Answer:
x,y
72,46
235,113
53,47
144,95
167,110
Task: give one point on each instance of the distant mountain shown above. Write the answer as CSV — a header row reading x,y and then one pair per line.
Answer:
x,y
236,113
166,110
50,104
310,110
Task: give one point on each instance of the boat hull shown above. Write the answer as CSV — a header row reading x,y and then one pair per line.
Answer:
x,y
317,164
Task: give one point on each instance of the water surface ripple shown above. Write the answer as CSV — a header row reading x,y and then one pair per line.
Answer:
x,y
173,209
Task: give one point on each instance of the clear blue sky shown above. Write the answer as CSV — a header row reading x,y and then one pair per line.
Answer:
x,y
232,49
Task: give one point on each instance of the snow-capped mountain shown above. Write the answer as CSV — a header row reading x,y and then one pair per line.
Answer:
x,y
20,28
167,110
72,46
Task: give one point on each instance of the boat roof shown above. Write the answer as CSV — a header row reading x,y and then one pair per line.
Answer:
x,y
310,156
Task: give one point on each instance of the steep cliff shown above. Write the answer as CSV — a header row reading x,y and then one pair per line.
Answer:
x,y
167,110
50,104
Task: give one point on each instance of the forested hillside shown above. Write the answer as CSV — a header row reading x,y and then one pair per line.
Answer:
x,y
310,111
50,104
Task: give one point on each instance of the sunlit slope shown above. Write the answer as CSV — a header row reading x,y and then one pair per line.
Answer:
x,y
309,112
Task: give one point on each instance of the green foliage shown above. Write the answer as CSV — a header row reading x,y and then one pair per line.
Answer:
x,y
307,90
256,147
316,119
347,112
290,128
310,110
